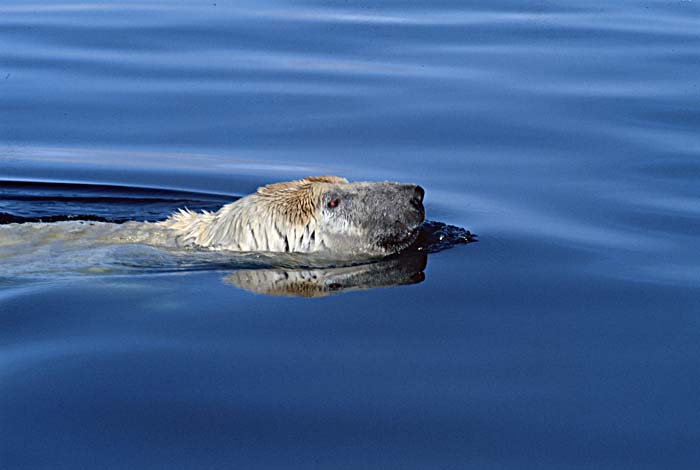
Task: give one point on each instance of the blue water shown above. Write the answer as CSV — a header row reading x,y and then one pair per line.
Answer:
x,y
565,134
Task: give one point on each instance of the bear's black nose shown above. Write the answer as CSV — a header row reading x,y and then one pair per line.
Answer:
x,y
418,194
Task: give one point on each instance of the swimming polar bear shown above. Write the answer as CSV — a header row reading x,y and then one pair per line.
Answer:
x,y
314,214
319,214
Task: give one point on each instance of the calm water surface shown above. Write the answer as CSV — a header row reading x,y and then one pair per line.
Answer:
x,y
566,134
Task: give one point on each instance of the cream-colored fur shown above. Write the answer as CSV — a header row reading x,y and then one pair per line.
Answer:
x,y
279,217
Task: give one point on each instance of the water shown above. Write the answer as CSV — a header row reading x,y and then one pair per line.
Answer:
x,y
564,133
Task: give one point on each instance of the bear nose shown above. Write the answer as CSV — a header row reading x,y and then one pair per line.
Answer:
x,y
417,196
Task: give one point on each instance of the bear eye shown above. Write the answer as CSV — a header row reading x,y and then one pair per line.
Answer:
x,y
334,203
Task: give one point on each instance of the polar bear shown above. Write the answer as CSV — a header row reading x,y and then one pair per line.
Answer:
x,y
318,214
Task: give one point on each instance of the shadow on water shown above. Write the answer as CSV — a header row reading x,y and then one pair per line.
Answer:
x,y
32,208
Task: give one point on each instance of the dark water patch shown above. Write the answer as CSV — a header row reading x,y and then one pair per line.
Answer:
x,y
682,168
14,219
437,236
52,202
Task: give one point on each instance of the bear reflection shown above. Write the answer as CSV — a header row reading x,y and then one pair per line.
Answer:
x,y
395,271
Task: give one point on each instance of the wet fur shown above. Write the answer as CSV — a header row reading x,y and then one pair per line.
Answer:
x,y
279,217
